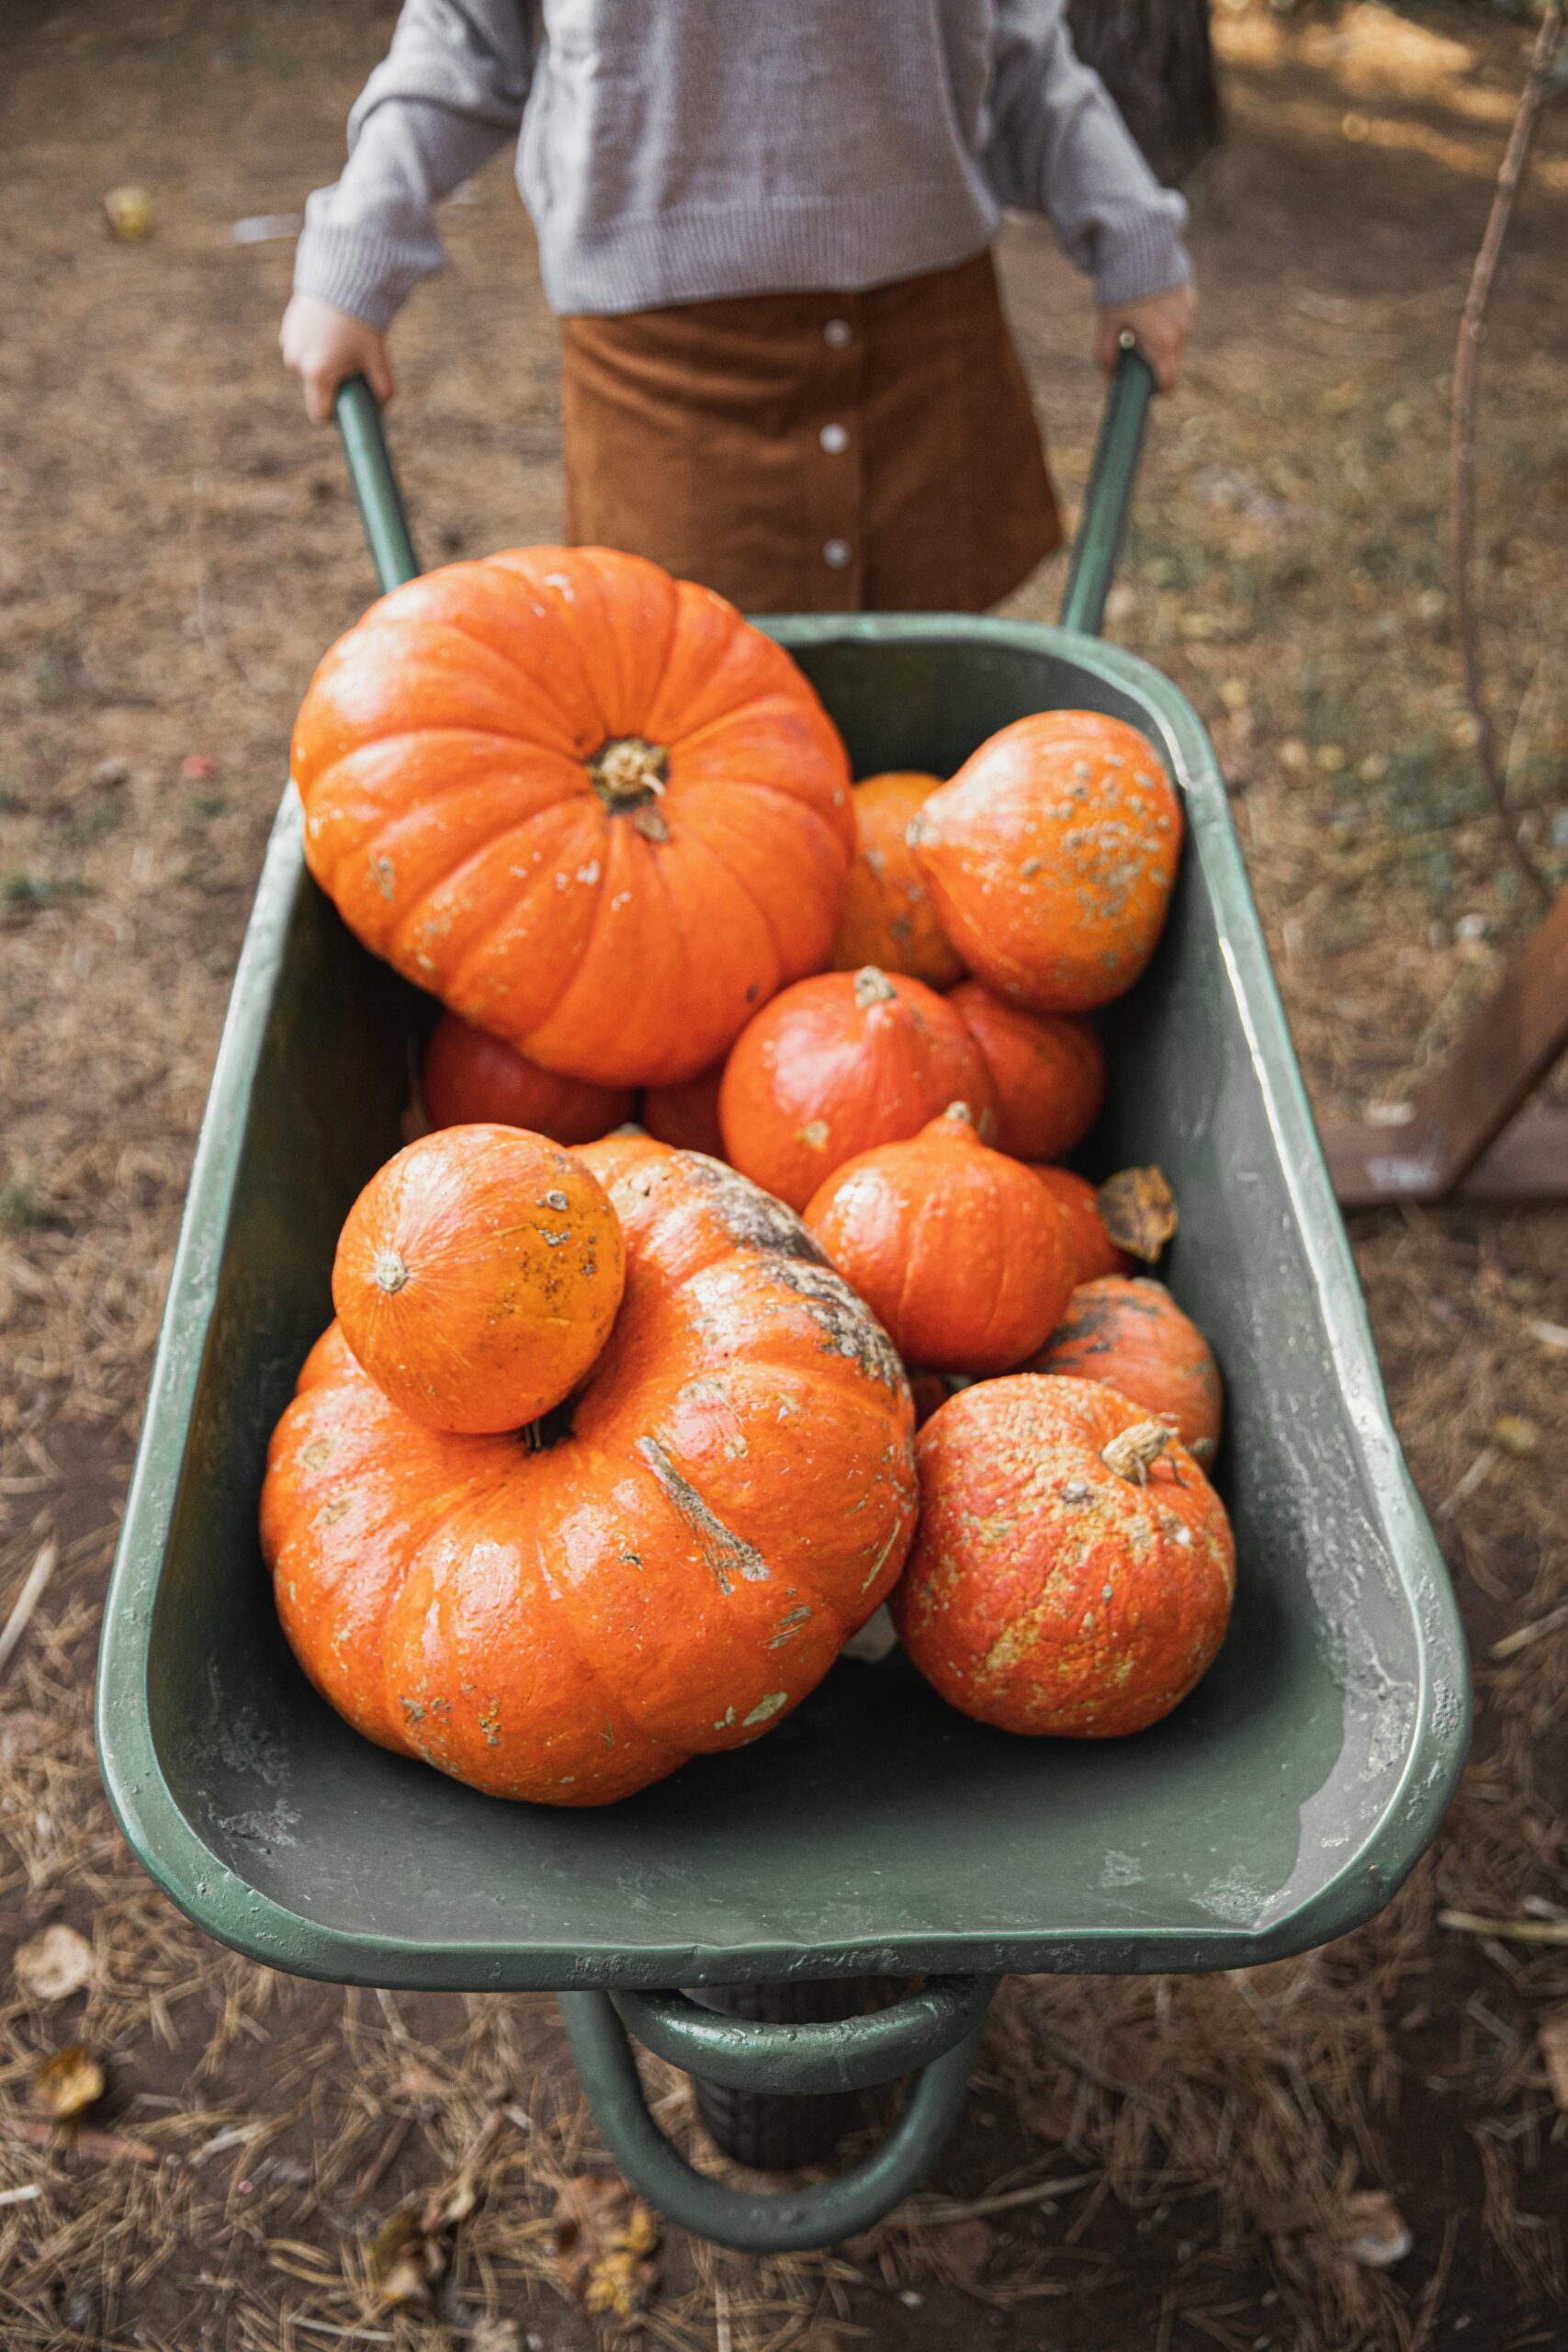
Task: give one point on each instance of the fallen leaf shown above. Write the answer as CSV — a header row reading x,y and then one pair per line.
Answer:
x,y
1552,2035
403,2262
55,1964
958,2250
130,213
604,2244
1138,1211
1516,1434
1376,2233
68,2082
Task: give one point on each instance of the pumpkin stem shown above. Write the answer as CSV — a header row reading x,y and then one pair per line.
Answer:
x,y
628,773
391,1271
872,987
1130,1454
960,1114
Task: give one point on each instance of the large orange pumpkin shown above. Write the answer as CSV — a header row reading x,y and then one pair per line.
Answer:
x,y
686,1115
1051,857
838,1064
730,1496
1048,1069
960,1251
1097,1253
1131,1336
888,919
585,804
1073,1569
469,1077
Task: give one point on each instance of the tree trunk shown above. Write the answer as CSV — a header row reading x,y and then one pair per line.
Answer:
x,y
1155,59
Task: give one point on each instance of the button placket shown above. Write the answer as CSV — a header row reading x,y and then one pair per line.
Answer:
x,y
834,467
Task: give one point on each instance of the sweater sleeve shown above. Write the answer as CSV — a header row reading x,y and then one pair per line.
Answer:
x,y
449,92
1058,145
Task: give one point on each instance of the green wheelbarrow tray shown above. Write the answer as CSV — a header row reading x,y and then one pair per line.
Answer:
x,y
875,1832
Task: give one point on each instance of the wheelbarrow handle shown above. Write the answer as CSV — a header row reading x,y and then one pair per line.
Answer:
x,y
376,491
1102,522
840,2054
787,2221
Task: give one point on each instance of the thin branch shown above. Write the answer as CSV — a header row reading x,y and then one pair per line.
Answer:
x,y
1462,446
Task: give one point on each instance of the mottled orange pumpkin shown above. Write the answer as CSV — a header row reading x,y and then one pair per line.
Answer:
x,y
469,1077
888,919
1051,857
958,1249
1073,1569
477,1277
666,1571
1131,1336
686,1115
838,1064
1097,1253
584,804
1048,1069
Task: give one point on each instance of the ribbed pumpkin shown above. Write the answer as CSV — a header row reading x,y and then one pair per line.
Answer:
x,y
584,804
1048,1069
686,1115
958,1251
1097,1253
888,919
467,1077
730,1496
1073,1569
1051,857
1131,1336
477,1277
838,1064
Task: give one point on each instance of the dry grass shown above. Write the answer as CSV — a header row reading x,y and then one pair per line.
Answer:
x,y
176,549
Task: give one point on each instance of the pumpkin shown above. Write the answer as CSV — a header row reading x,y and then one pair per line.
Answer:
x,y
686,1115
1133,1337
1097,1253
888,919
1048,1069
1073,1569
467,1077
666,1567
477,1277
1051,857
959,1252
929,1391
836,1065
584,804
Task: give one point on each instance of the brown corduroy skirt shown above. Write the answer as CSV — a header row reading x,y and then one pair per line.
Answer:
x,y
814,452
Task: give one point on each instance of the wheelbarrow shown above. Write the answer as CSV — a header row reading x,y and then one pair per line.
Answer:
x,y
726,1916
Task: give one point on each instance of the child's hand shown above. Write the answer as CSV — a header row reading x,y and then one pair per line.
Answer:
x,y
1161,322
325,347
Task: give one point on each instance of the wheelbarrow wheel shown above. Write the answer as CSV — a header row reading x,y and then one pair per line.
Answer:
x,y
776,2130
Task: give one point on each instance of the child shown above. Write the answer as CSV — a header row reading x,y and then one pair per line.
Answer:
x,y
767,228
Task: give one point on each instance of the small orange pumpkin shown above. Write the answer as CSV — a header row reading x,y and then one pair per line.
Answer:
x,y
686,1115
1097,1253
1051,857
839,1064
477,1277
468,1078
888,919
958,1251
1131,1336
1073,1569
1048,1069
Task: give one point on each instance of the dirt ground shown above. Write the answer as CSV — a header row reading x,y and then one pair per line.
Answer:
x,y
1169,2164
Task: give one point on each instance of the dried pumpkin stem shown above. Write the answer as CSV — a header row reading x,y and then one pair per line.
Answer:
x,y
627,771
872,987
1130,1454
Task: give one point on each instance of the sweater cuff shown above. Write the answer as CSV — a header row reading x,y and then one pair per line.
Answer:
x,y
1138,257
357,270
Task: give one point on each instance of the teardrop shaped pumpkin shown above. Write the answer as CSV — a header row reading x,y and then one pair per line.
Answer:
x,y
838,1064
584,804
957,1250
1130,1335
1051,857
468,1078
477,1277
665,1571
1048,1069
888,919
686,1115
1097,1254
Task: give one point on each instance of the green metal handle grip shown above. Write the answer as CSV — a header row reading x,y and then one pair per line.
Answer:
x,y
376,491
842,2054
1103,522
789,2221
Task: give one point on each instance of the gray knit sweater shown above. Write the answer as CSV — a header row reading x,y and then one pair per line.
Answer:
x,y
677,150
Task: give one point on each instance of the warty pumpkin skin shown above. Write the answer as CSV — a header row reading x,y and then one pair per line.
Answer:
x,y
839,1064
1097,1253
1054,1591
584,804
1130,1335
1051,857
669,1575
469,1077
957,1250
686,1114
1048,1069
477,1277
888,919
